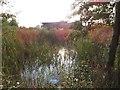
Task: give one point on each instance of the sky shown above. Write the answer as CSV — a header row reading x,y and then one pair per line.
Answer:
x,y
33,12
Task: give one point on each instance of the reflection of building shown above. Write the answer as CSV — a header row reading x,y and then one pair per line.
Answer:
x,y
56,25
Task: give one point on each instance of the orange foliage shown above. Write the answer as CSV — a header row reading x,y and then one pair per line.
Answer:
x,y
63,34
101,33
27,35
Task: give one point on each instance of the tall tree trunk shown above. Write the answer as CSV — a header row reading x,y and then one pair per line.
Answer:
x,y
114,42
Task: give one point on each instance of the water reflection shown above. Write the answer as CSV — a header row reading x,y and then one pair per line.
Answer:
x,y
62,64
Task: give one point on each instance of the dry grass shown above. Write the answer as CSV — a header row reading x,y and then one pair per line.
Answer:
x,y
27,36
63,34
101,34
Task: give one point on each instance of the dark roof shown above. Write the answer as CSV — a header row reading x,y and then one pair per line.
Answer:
x,y
56,25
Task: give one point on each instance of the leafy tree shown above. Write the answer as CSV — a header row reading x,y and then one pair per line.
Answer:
x,y
9,22
114,43
77,25
92,12
3,2
9,26
13,23
102,11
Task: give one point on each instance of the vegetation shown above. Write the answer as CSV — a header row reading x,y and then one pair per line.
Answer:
x,y
92,12
24,46
25,50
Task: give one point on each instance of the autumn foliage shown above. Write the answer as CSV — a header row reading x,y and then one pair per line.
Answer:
x,y
27,35
63,34
100,33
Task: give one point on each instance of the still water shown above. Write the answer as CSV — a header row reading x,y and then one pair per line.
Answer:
x,y
60,69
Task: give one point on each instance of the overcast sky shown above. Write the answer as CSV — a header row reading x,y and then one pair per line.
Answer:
x,y
33,12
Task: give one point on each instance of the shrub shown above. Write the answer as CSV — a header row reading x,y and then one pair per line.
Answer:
x,y
101,34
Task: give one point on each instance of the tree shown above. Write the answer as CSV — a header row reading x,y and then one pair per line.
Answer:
x,y
13,22
100,12
114,42
92,12
77,25
8,22
38,27
3,2
115,39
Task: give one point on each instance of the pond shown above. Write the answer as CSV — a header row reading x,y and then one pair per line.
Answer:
x,y
56,72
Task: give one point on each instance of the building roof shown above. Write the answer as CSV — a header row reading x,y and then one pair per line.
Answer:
x,y
52,25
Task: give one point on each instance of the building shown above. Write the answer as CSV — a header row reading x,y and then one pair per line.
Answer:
x,y
56,25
